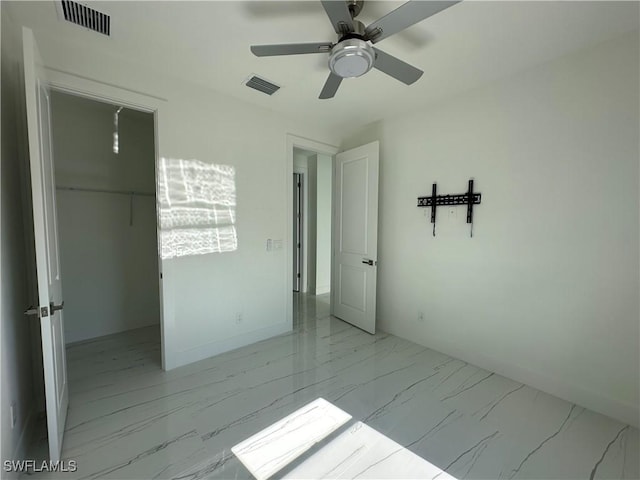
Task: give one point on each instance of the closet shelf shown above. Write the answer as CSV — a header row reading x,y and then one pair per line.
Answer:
x,y
104,190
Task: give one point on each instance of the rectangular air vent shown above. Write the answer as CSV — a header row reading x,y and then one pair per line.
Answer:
x,y
86,17
262,85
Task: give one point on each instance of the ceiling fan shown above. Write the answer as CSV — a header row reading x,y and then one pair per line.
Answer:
x,y
354,54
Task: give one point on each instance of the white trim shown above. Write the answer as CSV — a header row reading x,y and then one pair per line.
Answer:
x,y
101,91
293,141
553,385
304,280
104,92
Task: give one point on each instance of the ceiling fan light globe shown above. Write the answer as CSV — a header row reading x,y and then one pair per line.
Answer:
x,y
351,58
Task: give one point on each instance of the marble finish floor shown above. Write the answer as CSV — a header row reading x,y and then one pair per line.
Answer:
x,y
130,420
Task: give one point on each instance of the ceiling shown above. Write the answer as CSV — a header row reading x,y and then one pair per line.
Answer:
x,y
461,48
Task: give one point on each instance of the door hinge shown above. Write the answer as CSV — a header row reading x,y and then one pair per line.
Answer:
x,y
298,275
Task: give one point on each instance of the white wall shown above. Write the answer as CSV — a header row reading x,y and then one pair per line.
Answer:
x,y
204,294
547,290
324,173
16,380
97,239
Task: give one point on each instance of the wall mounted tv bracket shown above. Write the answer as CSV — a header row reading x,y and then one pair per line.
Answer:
x,y
469,199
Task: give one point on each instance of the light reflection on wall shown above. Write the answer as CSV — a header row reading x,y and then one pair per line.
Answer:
x,y
197,208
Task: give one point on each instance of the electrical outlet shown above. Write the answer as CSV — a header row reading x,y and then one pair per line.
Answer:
x,y
14,416
277,244
239,318
269,244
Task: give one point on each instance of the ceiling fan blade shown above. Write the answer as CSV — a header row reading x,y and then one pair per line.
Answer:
x,y
396,68
403,17
339,15
291,49
331,86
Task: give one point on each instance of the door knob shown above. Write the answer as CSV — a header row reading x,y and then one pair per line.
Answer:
x,y
54,308
41,312
368,261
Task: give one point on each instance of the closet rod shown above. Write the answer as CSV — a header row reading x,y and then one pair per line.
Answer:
x,y
101,190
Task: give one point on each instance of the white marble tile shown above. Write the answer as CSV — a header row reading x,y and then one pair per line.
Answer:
x,y
362,452
270,450
129,419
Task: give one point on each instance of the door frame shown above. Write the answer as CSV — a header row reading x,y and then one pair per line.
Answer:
x,y
294,141
72,84
299,226
304,254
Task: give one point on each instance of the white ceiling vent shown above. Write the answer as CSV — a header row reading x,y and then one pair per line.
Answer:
x,y
84,16
262,85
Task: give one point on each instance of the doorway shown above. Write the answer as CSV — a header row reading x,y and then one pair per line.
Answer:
x,y
354,225
107,221
52,379
104,179
311,229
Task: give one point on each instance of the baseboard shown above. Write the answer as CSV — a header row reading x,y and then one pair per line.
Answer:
x,y
561,388
185,357
20,450
25,436
71,341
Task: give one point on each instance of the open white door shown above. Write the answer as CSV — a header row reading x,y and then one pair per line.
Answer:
x,y
45,230
356,236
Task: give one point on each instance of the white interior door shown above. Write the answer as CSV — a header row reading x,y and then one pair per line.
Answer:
x,y
45,230
356,236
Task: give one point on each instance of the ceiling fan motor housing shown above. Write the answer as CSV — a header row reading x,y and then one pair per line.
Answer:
x,y
352,57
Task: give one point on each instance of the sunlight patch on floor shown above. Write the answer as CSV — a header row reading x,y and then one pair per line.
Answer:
x,y
358,452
